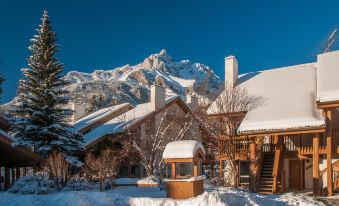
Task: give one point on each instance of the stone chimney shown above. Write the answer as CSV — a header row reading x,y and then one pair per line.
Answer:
x,y
79,110
231,70
157,97
192,101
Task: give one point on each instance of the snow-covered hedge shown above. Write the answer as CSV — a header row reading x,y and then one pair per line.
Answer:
x,y
78,185
33,185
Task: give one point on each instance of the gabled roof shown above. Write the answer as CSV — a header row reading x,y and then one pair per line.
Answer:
x,y
99,116
289,99
327,77
123,121
182,149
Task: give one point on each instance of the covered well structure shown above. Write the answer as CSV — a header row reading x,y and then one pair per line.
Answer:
x,y
184,165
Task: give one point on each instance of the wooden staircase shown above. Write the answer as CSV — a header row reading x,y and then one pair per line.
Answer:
x,y
266,178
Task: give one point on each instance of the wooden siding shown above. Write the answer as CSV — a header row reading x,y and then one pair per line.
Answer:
x,y
182,189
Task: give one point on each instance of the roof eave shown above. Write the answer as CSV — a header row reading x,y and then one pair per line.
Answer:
x,y
287,131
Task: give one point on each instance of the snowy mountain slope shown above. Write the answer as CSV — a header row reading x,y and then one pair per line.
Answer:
x,y
132,83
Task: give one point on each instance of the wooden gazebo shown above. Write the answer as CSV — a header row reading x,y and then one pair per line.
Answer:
x,y
184,159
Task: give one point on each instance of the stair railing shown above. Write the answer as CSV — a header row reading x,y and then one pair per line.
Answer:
x,y
276,173
259,162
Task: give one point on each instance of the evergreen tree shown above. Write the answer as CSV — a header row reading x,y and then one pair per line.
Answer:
x,y
40,116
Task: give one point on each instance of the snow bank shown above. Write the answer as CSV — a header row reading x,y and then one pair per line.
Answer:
x,y
206,198
137,196
182,149
232,196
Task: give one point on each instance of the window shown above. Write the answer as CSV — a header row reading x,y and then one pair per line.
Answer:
x,y
135,171
184,170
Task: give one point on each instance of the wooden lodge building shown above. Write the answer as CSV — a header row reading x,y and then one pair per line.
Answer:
x,y
104,127
298,125
13,160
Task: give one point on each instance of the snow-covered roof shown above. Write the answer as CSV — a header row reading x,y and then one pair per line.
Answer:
x,y
182,149
327,77
288,99
121,122
93,117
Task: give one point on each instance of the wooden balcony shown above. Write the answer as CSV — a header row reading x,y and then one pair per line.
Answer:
x,y
239,150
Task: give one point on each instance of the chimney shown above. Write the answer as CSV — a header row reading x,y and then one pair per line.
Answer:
x,y
192,101
79,110
157,97
231,70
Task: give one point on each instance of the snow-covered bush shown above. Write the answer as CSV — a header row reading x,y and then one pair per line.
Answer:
x,y
78,184
35,184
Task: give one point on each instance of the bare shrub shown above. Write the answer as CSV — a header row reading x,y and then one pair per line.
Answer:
x,y
57,168
103,168
228,110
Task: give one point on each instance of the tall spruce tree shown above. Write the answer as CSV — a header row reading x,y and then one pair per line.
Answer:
x,y
41,116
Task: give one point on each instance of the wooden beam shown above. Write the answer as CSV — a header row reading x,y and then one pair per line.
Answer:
x,y
253,171
178,160
327,105
316,189
286,132
195,169
329,152
220,168
174,172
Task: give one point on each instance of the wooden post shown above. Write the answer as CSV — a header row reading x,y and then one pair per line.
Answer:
x,y
220,168
13,175
252,165
329,152
315,159
283,182
7,178
0,178
174,174
195,169
25,171
17,172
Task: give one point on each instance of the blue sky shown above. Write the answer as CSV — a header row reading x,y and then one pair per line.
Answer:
x,y
106,34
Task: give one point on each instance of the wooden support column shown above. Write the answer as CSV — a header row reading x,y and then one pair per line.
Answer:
x,y
24,171
174,175
329,152
315,159
253,171
220,168
17,172
7,178
195,169
13,175
0,178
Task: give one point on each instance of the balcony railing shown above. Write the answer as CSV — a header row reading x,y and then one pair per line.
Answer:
x,y
239,149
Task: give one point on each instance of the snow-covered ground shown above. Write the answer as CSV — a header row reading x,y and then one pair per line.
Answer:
x,y
137,196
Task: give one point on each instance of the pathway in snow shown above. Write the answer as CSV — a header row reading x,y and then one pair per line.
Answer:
x,y
135,196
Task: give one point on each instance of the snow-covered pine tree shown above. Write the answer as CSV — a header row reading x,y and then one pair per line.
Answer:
x,y
40,117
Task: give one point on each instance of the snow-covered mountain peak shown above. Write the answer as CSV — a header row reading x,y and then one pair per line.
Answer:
x,y
132,83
